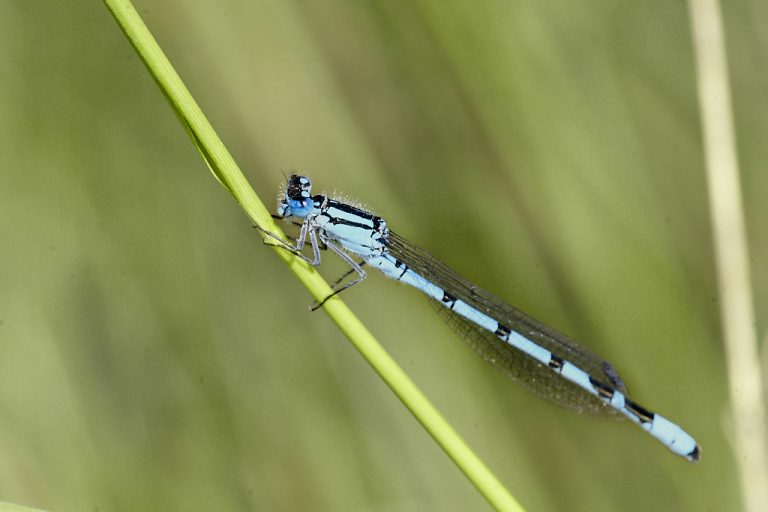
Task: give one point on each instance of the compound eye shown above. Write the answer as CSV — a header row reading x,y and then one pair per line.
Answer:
x,y
305,183
300,207
298,187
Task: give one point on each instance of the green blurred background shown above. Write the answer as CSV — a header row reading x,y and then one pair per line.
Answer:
x,y
154,355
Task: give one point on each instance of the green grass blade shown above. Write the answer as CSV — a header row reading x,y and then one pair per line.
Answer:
x,y
226,171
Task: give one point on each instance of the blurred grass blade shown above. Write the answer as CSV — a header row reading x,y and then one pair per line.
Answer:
x,y
225,169
732,254
12,507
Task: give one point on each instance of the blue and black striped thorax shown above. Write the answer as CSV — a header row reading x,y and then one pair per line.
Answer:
x,y
336,220
359,231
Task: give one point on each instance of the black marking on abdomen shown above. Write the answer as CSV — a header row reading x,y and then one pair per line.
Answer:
x,y
644,415
399,264
449,300
556,363
603,391
502,332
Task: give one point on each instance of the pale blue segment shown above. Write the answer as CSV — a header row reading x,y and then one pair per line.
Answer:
x,y
541,354
412,278
676,439
578,376
486,322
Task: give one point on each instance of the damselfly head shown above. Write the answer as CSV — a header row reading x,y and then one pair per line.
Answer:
x,y
296,200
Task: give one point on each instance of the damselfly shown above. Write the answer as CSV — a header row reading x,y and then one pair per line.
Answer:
x,y
546,361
